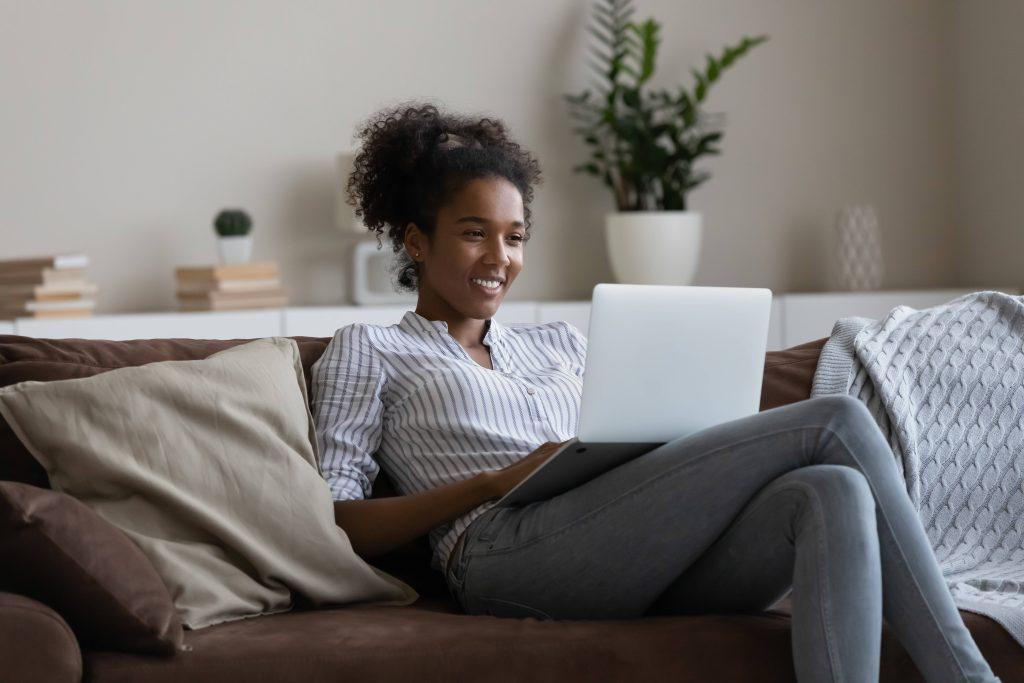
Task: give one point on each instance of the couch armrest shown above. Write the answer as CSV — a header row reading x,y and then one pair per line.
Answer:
x,y
36,644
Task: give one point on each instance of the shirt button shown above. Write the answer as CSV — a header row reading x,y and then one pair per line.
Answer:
x,y
531,391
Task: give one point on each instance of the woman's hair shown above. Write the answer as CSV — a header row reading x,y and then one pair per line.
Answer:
x,y
413,158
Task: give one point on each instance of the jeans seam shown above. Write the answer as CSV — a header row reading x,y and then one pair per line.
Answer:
x,y
904,565
670,472
824,586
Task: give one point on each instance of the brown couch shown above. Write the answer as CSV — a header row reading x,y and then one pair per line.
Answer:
x,y
431,639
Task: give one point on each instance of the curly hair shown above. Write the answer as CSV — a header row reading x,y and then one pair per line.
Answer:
x,y
413,158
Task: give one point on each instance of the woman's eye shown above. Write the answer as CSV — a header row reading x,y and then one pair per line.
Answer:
x,y
516,237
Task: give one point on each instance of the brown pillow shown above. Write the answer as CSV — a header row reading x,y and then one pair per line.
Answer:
x,y
60,552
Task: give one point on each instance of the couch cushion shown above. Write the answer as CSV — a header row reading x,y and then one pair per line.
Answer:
x,y
209,466
60,552
432,641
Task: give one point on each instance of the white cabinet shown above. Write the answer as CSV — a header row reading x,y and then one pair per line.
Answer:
x,y
324,321
198,325
806,317
795,318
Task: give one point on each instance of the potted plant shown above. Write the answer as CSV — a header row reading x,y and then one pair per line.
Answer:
x,y
644,143
233,241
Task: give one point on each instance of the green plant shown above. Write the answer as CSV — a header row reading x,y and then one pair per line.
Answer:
x,y
232,222
644,141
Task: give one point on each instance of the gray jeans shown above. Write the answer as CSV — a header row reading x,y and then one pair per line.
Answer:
x,y
806,496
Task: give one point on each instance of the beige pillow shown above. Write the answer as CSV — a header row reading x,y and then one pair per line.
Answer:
x,y
210,466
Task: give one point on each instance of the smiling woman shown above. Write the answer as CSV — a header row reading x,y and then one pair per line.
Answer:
x,y
453,404
453,195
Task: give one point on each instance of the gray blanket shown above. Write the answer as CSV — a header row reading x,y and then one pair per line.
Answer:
x,y
946,386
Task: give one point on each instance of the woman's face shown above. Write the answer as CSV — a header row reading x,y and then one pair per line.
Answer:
x,y
479,235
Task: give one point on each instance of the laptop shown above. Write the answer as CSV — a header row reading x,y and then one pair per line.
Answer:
x,y
662,362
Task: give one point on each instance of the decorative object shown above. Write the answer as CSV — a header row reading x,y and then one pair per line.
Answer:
x,y
654,247
859,248
644,143
371,277
234,241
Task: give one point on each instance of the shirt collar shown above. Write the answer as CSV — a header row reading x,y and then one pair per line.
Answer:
x,y
414,322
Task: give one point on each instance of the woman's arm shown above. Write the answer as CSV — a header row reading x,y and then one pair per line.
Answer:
x,y
378,525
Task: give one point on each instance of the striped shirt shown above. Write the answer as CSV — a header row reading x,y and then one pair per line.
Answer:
x,y
409,397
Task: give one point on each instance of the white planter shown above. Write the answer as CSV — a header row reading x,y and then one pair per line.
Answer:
x,y
654,247
235,249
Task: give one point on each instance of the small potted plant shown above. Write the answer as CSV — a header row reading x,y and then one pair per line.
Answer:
x,y
233,238
644,143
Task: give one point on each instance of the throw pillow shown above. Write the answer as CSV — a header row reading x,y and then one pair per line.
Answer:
x,y
210,466
60,552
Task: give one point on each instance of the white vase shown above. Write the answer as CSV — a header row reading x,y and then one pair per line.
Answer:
x,y
859,250
235,249
654,247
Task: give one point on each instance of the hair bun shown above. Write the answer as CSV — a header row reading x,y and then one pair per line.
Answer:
x,y
454,141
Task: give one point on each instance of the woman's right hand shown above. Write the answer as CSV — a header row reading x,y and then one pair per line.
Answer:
x,y
504,480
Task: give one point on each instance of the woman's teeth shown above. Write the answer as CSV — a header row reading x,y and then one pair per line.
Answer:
x,y
490,284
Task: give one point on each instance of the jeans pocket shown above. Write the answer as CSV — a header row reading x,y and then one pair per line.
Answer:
x,y
498,607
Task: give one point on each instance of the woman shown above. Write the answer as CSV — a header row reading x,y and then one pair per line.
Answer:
x,y
454,404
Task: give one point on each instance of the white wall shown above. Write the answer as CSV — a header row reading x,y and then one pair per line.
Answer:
x,y
989,149
125,125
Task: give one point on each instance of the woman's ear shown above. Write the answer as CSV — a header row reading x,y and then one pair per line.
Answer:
x,y
413,241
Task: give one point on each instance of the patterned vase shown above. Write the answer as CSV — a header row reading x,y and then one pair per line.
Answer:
x,y
859,248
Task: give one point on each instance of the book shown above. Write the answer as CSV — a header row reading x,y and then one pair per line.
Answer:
x,y
75,304
203,286
225,297
205,304
41,277
242,271
70,289
58,262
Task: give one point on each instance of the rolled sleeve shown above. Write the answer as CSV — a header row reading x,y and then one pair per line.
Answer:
x,y
347,386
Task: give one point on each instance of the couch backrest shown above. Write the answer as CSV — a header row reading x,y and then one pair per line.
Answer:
x,y
787,377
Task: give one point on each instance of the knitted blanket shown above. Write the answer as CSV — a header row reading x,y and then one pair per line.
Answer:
x,y
946,386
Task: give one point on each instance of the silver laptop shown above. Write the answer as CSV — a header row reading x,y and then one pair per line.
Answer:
x,y
662,362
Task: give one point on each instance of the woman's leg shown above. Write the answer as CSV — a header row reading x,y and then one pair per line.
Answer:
x,y
610,547
814,528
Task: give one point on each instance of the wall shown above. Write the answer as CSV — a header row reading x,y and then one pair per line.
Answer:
x,y
126,125
989,149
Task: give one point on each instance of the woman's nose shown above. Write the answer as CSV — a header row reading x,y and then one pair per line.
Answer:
x,y
497,254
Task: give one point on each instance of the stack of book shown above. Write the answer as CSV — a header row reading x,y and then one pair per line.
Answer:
x,y
46,287
221,288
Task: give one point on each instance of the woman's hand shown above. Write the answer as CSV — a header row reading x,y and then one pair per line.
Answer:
x,y
504,480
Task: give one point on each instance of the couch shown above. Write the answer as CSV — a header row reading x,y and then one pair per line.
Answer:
x,y
430,639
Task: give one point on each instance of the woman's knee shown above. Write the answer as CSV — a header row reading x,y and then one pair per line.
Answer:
x,y
837,490
845,409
